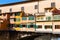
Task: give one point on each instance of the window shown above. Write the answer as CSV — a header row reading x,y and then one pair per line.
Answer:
x,y
56,17
17,19
0,11
36,6
17,25
24,18
4,14
48,18
53,4
14,19
11,14
57,26
11,20
39,26
10,9
48,26
11,25
22,8
20,25
24,26
31,26
17,14
31,17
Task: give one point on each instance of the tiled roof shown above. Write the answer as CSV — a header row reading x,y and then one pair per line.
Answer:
x,y
56,11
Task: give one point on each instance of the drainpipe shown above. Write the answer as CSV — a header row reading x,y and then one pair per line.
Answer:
x,y
37,13
38,7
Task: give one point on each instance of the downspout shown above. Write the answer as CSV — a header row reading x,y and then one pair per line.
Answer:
x,y
37,13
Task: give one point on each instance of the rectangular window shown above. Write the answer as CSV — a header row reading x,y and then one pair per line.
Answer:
x,y
57,26
31,17
4,14
24,18
17,19
48,26
11,14
11,25
56,17
22,8
18,25
31,26
17,14
10,9
48,18
39,26
14,19
0,11
11,20
24,25
53,4
36,6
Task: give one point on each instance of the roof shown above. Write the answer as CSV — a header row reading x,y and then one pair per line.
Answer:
x,y
1,5
56,11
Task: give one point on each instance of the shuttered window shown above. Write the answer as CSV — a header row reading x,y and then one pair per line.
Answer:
x,y
31,17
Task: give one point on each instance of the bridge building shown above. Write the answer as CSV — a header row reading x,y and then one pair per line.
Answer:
x,y
32,16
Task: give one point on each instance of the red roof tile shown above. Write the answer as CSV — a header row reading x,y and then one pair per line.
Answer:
x,y
56,12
